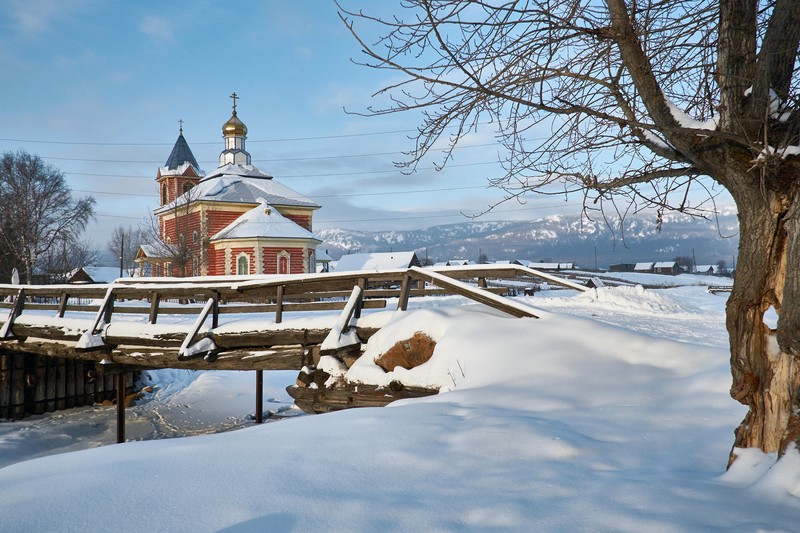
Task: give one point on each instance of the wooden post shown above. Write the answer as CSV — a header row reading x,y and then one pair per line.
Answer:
x,y
279,304
259,396
109,309
5,331
121,407
215,312
362,283
155,300
62,305
405,288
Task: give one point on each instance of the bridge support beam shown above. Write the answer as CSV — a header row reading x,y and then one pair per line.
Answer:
x,y
259,396
121,382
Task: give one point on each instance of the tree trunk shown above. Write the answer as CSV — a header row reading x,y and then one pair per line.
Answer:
x,y
766,375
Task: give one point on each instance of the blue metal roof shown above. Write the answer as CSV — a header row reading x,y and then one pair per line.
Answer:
x,y
181,153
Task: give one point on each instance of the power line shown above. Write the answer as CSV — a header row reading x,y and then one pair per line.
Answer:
x,y
359,173
284,139
385,193
276,160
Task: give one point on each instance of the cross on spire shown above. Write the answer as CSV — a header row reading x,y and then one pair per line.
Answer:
x,y
235,97
180,121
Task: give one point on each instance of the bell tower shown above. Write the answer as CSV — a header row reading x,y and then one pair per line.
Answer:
x,y
180,173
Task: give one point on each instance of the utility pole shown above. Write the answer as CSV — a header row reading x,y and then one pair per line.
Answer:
x,y
121,252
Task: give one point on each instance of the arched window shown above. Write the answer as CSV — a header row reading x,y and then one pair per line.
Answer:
x,y
243,265
312,262
195,266
164,196
283,262
195,237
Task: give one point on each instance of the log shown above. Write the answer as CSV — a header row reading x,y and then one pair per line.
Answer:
x,y
50,384
321,400
5,385
17,407
37,375
70,383
61,385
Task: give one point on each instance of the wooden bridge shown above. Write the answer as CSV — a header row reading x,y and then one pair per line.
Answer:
x,y
146,323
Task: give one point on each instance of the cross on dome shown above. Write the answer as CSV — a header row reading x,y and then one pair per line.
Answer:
x,y
234,97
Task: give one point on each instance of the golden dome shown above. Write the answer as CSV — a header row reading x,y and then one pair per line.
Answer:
x,y
234,126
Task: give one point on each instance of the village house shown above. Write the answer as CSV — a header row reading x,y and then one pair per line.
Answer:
x,y
236,220
377,261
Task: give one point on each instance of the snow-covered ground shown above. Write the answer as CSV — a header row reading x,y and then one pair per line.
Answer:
x,y
610,413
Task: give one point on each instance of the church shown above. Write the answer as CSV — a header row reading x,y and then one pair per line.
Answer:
x,y
236,220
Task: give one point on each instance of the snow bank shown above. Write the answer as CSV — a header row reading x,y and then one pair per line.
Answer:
x,y
559,424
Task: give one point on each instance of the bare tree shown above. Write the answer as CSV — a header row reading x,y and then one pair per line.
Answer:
x,y
633,105
124,243
65,256
178,235
37,210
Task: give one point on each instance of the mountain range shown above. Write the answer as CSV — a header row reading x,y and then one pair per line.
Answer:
x,y
562,238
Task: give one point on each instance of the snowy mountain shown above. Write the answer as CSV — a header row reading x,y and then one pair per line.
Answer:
x,y
553,238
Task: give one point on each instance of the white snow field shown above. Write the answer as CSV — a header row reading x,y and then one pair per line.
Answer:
x,y
609,413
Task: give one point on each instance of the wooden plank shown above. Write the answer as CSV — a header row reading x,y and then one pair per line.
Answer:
x,y
275,358
189,340
478,295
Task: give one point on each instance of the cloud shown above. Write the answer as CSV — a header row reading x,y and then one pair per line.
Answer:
x,y
158,29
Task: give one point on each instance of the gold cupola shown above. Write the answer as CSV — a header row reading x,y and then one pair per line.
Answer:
x,y
234,126
235,132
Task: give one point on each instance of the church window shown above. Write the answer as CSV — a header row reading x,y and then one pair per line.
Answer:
x,y
283,262
243,265
187,186
195,237
164,195
195,266
312,262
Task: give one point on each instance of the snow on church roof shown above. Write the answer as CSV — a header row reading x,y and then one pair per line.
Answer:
x,y
375,261
264,221
242,184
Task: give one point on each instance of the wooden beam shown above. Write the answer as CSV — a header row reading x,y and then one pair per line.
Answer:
x,y
478,295
5,331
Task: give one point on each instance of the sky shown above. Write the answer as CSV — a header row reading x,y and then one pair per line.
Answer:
x,y
97,89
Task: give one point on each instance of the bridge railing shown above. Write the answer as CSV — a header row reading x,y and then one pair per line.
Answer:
x,y
252,295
